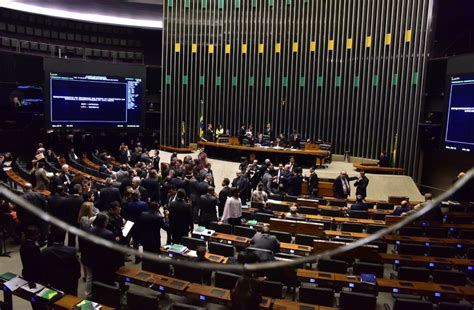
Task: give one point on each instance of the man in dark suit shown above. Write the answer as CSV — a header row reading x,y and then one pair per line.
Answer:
x,y
341,185
55,204
269,131
294,183
105,261
243,184
241,133
384,160
30,255
313,182
149,227
180,217
265,241
107,195
223,194
116,221
60,265
208,208
137,187
71,206
404,207
152,185
27,218
361,185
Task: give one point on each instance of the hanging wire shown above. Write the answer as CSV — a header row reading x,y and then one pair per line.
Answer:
x,y
239,268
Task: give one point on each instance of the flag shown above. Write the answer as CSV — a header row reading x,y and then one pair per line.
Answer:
x,y
183,133
393,151
201,120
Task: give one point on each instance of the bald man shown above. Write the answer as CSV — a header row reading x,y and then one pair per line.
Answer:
x,y
341,185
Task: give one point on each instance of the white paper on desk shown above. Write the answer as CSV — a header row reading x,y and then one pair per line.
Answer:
x,y
34,290
7,168
49,174
191,253
15,283
127,227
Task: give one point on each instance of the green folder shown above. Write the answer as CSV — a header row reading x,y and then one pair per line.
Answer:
x,y
252,222
200,228
87,305
7,276
47,293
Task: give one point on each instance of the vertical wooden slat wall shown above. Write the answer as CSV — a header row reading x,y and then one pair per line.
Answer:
x,y
350,72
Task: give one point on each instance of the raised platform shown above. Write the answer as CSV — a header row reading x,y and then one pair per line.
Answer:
x,y
374,168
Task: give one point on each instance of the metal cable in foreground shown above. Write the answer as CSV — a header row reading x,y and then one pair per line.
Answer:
x,y
19,201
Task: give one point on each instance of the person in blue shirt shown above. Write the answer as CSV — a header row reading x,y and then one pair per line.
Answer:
x,y
403,208
360,205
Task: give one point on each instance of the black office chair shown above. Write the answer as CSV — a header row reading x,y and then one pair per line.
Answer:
x,y
225,280
290,198
382,246
194,275
138,301
330,212
411,304
377,216
243,231
433,232
322,202
278,207
221,249
375,269
180,306
410,231
357,301
247,215
374,228
281,236
385,206
442,251
466,234
449,277
222,228
470,253
337,203
155,267
263,217
286,256
413,274
256,205
454,306
412,249
261,253
271,289
327,224
357,214
332,265
352,227
305,239
308,210
316,295
105,294
192,243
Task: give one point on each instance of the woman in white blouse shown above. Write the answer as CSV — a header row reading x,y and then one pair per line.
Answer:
x,y
233,209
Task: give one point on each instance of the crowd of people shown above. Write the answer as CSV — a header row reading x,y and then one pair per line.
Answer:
x,y
170,198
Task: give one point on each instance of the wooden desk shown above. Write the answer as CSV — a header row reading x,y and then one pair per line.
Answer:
x,y
386,285
428,289
344,234
15,178
374,168
217,150
69,301
292,248
89,163
283,304
296,227
209,293
429,261
173,149
214,258
320,246
159,282
231,239
389,220
93,178
426,240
